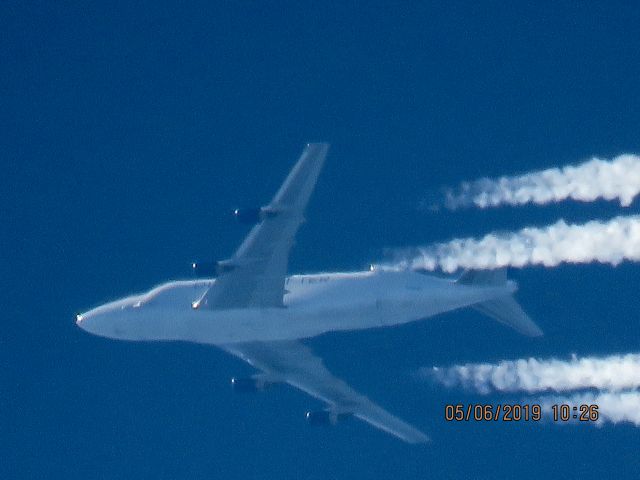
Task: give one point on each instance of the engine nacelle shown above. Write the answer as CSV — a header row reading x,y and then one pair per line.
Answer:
x,y
249,385
325,417
251,216
211,269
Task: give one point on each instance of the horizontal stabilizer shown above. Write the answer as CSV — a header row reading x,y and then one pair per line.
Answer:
x,y
507,311
504,309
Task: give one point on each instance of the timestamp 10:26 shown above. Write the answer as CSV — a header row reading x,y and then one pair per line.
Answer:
x,y
583,413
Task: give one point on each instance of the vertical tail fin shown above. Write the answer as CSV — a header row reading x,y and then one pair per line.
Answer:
x,y
504,309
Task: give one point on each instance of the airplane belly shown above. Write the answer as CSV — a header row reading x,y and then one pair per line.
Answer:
x,y
246,325
410,303
393,311
302,317
236,326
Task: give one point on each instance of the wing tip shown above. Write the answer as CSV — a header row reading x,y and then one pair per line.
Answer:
x,y
319,147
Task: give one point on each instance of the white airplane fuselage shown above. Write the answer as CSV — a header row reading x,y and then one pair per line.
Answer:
x,y
313,305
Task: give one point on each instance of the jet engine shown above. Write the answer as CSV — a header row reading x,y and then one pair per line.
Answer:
x,y
325,417
249,385
251,216
211,269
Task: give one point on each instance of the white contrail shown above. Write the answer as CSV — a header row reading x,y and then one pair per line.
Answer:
x,y
613,373
614,407
618,178
608,242
610,382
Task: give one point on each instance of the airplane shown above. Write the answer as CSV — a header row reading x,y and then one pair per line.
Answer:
x,y
248,306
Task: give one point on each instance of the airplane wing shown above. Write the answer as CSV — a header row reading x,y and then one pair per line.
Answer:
x,y
254,277
258,268
294,363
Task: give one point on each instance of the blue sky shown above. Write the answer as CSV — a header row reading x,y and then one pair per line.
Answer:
x,y
128,133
